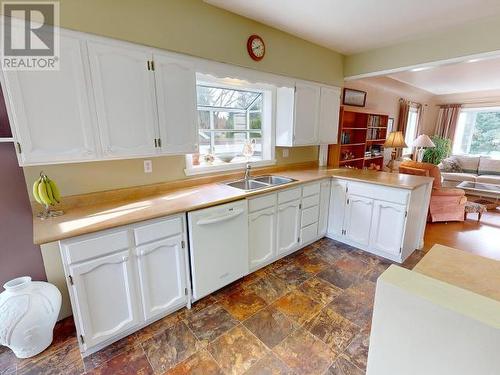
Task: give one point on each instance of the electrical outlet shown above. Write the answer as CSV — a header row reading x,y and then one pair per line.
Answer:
x,y
148,166
285,153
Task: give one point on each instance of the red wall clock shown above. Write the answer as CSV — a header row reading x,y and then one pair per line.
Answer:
x,y
256,47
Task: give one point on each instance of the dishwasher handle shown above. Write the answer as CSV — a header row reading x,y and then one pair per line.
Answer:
x,y
221,218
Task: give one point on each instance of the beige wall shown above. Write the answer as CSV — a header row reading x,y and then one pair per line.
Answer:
x,y
383,96
479,98
474,38
194,28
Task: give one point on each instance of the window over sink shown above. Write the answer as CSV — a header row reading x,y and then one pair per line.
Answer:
x,y
235,121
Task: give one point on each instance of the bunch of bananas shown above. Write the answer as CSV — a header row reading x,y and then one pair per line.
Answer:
x,y
45,191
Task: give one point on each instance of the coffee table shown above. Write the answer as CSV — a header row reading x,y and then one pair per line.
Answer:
x,y
488,191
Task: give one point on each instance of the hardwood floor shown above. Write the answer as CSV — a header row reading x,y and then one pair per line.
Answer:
x,y
482,238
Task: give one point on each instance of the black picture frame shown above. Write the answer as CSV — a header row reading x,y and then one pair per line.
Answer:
x,y
355,98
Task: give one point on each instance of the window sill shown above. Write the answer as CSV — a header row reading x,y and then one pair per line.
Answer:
x,y
225,167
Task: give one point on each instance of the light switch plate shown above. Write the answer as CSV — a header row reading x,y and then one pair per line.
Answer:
x,y
285,153
148,166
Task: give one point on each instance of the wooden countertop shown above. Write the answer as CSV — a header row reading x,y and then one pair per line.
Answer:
x,y
98,211
465,270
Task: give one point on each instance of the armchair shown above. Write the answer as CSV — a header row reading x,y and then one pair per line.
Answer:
x,y
447,204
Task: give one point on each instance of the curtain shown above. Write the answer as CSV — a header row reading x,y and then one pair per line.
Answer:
x,y
404,113
447,120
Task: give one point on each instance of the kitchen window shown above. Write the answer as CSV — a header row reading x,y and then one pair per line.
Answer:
x,y
478,132
234,125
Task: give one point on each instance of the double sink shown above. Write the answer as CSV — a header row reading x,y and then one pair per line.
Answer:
x,y
260,182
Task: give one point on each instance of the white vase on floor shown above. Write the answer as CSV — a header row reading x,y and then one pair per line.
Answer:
x,y
28,313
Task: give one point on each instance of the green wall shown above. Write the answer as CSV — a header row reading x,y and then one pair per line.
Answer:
x,y
195,28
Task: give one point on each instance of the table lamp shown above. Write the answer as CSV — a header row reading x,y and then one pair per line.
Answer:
x,y
420,143
395,140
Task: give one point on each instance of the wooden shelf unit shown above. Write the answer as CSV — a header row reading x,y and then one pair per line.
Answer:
x,y
360,131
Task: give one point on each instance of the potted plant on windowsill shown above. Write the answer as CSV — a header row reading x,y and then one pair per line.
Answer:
x,y
441,150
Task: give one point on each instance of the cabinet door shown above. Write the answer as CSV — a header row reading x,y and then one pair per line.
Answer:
x,y
288,223
104,295
388,225
324,203
329,115
51,110
262,238
176,96
162,275
358,219
306,114
337,208
125,101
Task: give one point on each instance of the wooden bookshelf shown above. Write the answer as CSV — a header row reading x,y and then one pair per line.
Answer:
x,y
361,131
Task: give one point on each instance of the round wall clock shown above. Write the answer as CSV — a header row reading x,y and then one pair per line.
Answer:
x,y
256,47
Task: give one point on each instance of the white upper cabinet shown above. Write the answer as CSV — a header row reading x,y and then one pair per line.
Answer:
x,y
176,96
329,115
125,99
50,110
307,114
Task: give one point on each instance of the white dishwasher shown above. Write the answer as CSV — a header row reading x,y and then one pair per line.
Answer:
x,y
218,239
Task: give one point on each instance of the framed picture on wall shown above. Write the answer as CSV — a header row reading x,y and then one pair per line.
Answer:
x,y
353,97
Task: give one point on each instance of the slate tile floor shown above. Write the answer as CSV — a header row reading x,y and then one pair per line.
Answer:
x,y
309,313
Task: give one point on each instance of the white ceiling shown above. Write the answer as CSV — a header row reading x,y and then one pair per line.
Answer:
x,y
351,26
462,77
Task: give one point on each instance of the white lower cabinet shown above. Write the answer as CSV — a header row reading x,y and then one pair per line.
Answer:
x,y
374,217
104,297
358,219
261,237
337,208
288,223
388,225
122,279
162,275
324,202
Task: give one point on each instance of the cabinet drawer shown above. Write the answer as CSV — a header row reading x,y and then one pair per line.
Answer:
x,y
289,195
259,203
309,215
384,193
313,200
309,233
157,230
94,245
310,189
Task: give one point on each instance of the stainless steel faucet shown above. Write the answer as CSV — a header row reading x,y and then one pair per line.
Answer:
x,y
247,172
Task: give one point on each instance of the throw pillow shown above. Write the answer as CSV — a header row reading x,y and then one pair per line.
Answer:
x,y
450,165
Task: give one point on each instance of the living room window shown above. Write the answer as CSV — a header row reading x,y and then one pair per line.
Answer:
x,y
234,125
478,132
411,130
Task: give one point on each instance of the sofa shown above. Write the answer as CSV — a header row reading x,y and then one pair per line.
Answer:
x,y
447,204
459,168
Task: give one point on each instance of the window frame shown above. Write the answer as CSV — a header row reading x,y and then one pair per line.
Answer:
x,y
413,109
474,110
267,129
